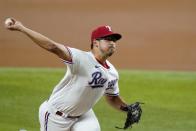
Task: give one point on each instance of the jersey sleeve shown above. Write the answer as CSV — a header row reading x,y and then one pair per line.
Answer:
x,y
112,90
74,63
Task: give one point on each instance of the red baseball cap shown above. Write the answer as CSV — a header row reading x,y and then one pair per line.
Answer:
x,y
104,31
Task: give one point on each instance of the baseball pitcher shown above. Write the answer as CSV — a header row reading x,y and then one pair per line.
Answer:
x,y
89,76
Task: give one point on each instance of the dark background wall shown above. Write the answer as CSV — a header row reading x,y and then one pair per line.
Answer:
x,y
158,34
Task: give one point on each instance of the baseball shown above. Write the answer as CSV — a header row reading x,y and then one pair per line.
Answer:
x,y
9,22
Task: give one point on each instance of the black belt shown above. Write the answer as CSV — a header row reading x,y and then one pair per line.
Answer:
x,y
61,114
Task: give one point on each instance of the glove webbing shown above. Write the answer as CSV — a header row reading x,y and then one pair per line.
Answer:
x,y
130,109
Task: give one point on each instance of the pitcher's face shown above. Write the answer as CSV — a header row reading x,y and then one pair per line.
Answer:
x,y
107,46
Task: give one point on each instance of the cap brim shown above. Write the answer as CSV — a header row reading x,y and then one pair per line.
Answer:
x,y
116,35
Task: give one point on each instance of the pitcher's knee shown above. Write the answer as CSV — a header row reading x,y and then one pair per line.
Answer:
x,y
86,127
95,128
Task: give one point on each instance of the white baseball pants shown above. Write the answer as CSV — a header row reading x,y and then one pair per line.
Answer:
x,y
52,122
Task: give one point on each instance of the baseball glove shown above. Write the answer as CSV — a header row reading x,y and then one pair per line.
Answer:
x,y
134,112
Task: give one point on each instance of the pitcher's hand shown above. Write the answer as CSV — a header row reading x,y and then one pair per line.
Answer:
x,y
13,24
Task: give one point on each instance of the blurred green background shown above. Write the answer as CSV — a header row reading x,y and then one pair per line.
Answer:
x,y
169,99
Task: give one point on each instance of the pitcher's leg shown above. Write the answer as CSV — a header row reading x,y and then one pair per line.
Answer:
x,y
87,122
53,122
58,123
42,113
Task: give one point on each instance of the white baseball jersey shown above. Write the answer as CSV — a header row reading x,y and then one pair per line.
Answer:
x,y
84,83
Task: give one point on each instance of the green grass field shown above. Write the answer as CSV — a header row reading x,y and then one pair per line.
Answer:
x,y
170,99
